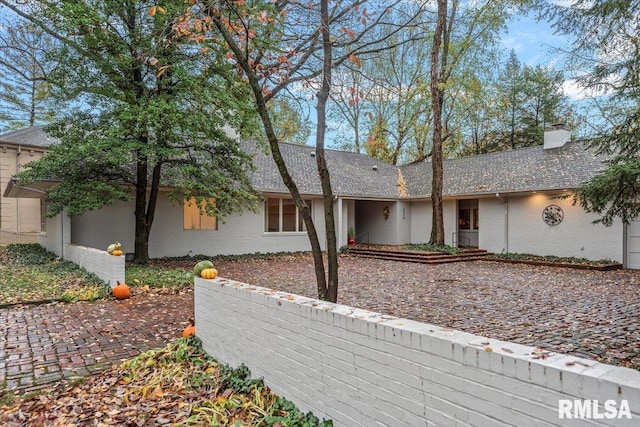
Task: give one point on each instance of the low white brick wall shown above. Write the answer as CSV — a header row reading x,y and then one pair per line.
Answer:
x,y
107,267
361,368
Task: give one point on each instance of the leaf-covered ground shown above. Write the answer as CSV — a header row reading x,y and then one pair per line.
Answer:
x,y
582,313
175,385
28,273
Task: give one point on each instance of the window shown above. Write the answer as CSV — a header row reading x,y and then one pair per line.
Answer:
x,y
464,219
468,219
282,215
193,219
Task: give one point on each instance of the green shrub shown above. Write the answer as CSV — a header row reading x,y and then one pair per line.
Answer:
x,y
551,259
29,254
157,277
432,248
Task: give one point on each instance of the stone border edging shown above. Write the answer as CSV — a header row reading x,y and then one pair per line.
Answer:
x,y
594,267
36,302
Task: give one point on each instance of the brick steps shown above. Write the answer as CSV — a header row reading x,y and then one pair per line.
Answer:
x,y
418,256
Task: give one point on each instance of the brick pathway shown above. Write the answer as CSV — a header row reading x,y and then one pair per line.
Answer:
x,y
40,345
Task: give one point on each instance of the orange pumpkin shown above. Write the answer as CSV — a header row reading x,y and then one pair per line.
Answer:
x,y
121,291
117,252
189,330
209,273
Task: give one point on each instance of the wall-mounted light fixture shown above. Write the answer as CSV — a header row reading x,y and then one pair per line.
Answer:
x,y
386,212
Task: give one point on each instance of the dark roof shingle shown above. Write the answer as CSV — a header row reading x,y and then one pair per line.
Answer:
x,y
525,169
352,174
355,175
33,136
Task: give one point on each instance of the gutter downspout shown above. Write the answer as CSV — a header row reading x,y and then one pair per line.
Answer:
x,y
505,201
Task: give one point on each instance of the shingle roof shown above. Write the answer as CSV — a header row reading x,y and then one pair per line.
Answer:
x,y
352,174
33,136
525,169
360,176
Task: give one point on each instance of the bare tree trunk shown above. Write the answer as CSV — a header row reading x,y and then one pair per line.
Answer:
x,y
437,98
305,211
141,242
323,171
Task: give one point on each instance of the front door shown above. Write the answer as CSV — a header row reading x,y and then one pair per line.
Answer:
x,y
468,223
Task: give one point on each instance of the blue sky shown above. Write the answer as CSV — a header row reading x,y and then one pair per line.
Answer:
x,y
535,43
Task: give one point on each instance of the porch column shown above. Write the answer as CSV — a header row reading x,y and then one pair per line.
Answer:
x,y
341,232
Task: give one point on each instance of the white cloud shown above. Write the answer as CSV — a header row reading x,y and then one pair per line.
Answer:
x,y
577,92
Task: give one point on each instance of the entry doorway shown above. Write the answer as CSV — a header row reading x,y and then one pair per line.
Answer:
x,y
468,223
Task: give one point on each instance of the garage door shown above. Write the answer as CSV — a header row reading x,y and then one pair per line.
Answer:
x,y
633,245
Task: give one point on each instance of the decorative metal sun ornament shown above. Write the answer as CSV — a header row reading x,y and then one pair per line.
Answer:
x,y
552,215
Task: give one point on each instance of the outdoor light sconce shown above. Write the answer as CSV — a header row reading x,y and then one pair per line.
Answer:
x,y
386,212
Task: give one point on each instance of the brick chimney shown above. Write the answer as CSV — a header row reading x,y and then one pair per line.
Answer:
x,y
556,136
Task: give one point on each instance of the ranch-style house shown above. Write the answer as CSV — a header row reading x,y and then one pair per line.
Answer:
x,y
502,202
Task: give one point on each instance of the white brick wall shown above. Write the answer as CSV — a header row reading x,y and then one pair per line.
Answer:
x,y
107,267
363,368
240,234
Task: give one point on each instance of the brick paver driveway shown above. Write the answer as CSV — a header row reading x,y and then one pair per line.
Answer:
x,y
588,314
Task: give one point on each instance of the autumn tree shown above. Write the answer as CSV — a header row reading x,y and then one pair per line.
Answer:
x,y
150,112
289,122
277,45
606,58
390,87
351,93
377,144
399,96
473,125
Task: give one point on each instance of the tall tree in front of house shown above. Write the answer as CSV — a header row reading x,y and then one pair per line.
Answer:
x,y
153,113
461,27
439,58
280,46
606,53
